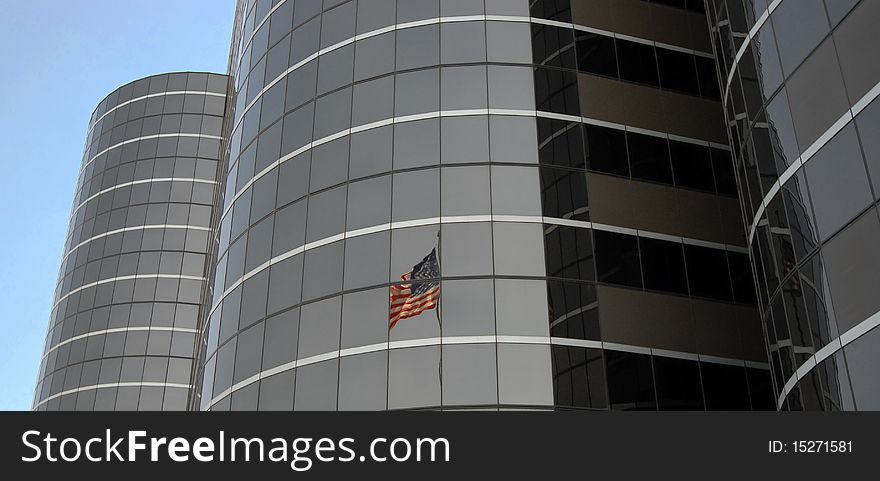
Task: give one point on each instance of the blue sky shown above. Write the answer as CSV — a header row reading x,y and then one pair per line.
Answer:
x,y
59,59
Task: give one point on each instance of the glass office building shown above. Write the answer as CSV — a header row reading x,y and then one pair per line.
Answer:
x,y
487,204
123,329
566,163
800,81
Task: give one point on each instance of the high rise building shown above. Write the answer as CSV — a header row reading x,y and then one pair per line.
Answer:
x,y
124,323
800,81
451,204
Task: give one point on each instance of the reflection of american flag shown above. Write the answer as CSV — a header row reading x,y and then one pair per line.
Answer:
x,y
408,300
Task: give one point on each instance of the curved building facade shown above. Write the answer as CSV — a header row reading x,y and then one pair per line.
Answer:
x,y
123,328
548,183
800,81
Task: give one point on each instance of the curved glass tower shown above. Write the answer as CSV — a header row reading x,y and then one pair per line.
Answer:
x,y
800,81
478,204
123,329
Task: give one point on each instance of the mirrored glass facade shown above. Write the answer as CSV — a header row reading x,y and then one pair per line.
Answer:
x,y
449,204
124,322
799,83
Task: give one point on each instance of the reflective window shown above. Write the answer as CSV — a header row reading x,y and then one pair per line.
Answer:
x,y
464,191
678,384
374,14
329,164
862,359
707,272
596,54
512,139
418,46
518,249
617,258
868,121
369,203
649,157
463,88
285,279
511,87
515,191
367,260
276,392
508,42
799,27
464,310
416,195
414,377
319,325
316,386
466,249
364,318
370,152
630,381
417,92
816,94
606,150
469,376
579,377
663,265
318,262
332,113
462,42
524,372
725,387
374,56
838,182
520,307
326,214
464,139
416,143
363,382
637,62
372,101
280,340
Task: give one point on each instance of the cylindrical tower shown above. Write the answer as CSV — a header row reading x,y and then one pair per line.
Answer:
x,y
800,81
471,204
122,332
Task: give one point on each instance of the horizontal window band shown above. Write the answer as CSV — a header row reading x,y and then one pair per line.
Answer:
x,y
455,113
141,181
830,349
810,152
747,40
464,219
137,227
144,97
487,339
126,278
147,137
112,385
119,329
441,20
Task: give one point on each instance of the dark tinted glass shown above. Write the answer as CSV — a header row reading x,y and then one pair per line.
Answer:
x,y
678,384
606,150
595,54
637,62
569,252
663,265
630,381
725,387
677,71
579,377
707,272
692,166
617,258
649,157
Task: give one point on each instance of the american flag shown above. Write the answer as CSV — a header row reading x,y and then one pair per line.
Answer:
x,y
420,293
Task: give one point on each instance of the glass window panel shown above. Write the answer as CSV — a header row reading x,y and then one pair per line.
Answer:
x,y
799,27
414,377
606,150
838,182
564,194
767,60
511,87
518,249
852,266
663,265
707,272
596,54
464,310
301,84
418,46
469,377
276,392
374,14
637,62
524,372
374,56
285,279
617,258
692,166
466,249
297,129
464,139
329,164
319,325
861,359
678,384
363,382
521,307
725,387
463,88
515,191
460,7
338,24
677,71
316,386
513,139
326,214
417,92
508,42
868,122
409,247
367,260
372,101
249,353
464,191
649,157
816,93
332,113
416,195
462,42
561,142
630,381
280,340
289,231
370,152
579,377
569,252
369,203
416,143
364,318
319,266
